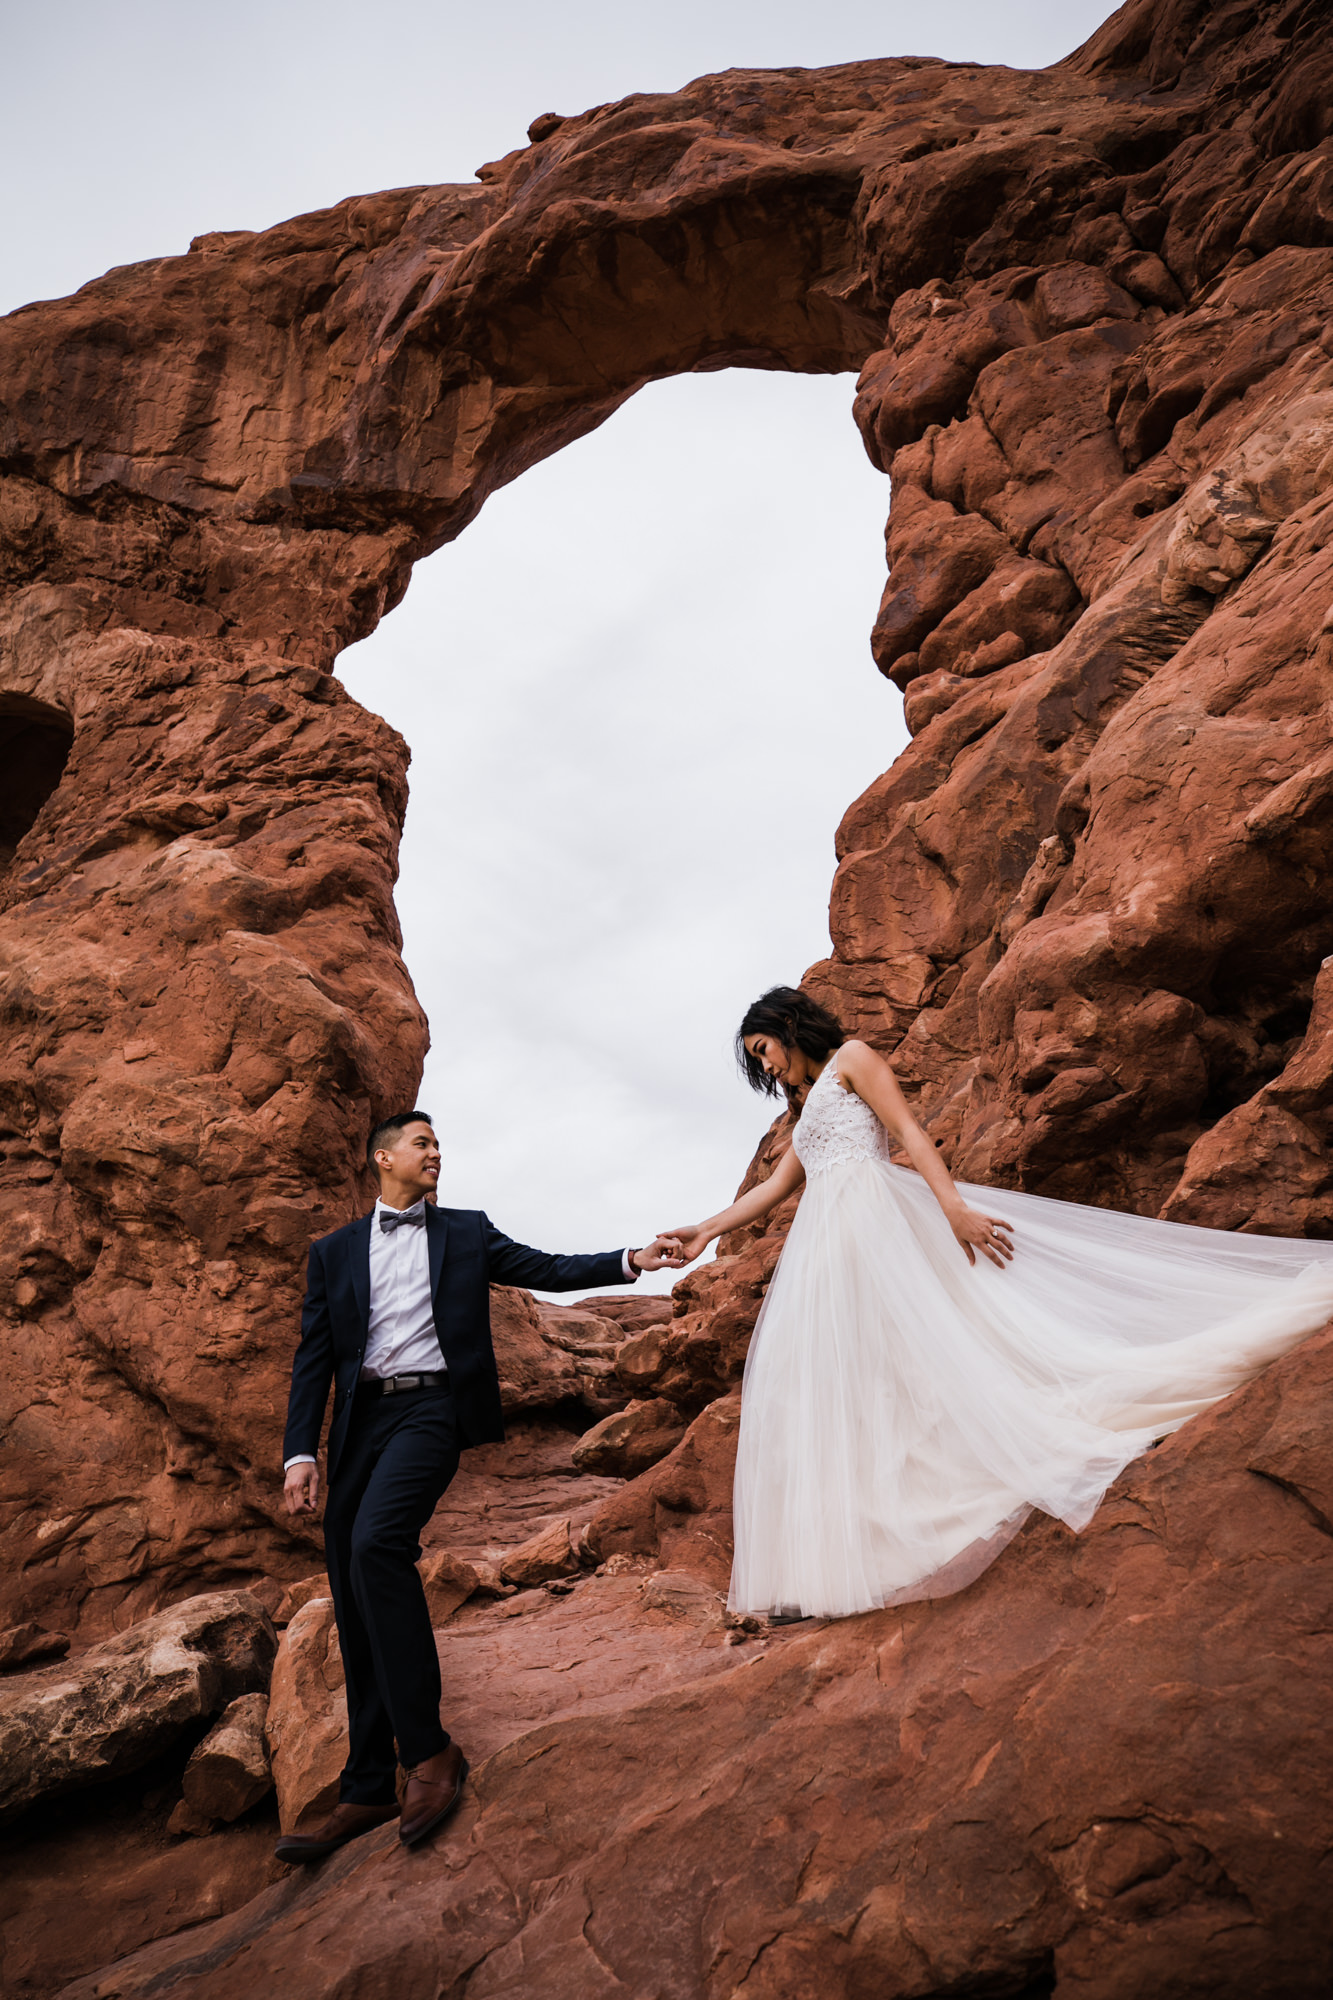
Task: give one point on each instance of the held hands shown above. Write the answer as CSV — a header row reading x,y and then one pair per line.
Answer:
x,y
664,1250
300,1489
986,1233
690,1240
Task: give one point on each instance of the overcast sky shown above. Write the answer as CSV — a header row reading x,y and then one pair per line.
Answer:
x,y
638,689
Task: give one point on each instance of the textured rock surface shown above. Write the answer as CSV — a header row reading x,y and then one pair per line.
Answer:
x,y
306,1720
504,1494
632,1439
1103,1769
26,1645
542,1558
681,1509
449,1581
534,1373
549,1355
91,1877
229,1772
1087,911
122,1702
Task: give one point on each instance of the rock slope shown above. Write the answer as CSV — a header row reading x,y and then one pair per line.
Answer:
x,y
1101,1772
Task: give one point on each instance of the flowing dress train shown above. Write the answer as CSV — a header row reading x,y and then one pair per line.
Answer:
x,y
903,1411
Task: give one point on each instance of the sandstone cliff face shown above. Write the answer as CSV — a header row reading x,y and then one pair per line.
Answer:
x,y
1087,910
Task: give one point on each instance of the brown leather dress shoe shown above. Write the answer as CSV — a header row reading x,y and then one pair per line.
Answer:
x,y
433,1790
344,1823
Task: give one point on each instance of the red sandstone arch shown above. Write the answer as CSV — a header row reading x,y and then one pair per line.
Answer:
x,y
1090,303
1088,909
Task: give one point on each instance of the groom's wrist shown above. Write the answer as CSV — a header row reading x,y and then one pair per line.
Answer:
x,y
633,1270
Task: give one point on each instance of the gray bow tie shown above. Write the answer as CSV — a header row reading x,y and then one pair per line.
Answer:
x,y
392,1218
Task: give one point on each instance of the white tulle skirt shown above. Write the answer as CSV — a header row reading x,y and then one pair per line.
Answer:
x,y
903,1412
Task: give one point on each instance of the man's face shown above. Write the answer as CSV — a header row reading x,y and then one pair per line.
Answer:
x,y
410,1160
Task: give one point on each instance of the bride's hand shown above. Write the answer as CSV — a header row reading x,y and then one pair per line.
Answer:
x,y
693,1241
986,1233
663,1252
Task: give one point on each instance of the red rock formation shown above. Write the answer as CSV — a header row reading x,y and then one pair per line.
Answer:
x,y
1089,303
1086,911
123,1702
229,1771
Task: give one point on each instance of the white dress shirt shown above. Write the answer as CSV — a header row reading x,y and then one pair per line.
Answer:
x,y
401,1339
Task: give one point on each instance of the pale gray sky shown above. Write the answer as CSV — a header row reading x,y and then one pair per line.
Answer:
x,y
638,689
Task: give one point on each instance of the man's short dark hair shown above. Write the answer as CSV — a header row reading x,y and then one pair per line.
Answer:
x,y
395,1122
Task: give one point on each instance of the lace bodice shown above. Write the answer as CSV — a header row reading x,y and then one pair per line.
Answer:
x,y
836,1126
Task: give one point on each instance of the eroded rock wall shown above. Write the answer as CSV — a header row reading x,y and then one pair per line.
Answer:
x,y
1107,911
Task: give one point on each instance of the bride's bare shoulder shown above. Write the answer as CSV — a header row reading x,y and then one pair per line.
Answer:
x,y
856,1057
859,1063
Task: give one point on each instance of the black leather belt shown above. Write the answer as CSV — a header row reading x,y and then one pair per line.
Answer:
x,y
394,1385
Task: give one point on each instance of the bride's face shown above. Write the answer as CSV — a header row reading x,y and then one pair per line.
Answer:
x,y
776,1059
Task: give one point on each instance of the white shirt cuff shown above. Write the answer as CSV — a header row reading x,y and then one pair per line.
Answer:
x,y
301,1458
628,1268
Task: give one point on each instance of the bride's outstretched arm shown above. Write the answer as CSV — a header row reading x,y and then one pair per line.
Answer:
x,y
872,1079
785,1178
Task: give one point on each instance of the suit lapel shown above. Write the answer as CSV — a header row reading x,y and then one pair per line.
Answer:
x,y
358,1253
437,1230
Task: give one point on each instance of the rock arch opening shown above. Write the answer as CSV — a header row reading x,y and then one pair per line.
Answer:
x,y
35,742
628,758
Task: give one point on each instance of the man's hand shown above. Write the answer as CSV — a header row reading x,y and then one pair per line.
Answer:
x,y
691,1241
300,1489
662,1251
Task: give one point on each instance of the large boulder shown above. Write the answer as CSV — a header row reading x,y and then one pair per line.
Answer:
x,y
543,1558
123,1702
27,1645
548,1355
306,1726
630,1440
229,1771
448,1581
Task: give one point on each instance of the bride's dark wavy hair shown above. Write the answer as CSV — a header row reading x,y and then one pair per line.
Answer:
x,y
793,1019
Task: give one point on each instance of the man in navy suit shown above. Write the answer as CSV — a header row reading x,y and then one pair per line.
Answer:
x,y
397,1321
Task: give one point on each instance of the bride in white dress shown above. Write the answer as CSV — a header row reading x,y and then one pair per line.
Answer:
x,y
908,1402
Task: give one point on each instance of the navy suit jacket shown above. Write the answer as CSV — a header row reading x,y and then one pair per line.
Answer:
x,y
468,1254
